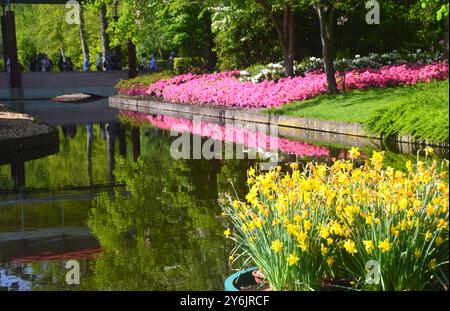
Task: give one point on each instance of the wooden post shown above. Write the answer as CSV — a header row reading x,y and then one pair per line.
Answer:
x,y
5,43
136,138
18,173
122,141
132,68
15,79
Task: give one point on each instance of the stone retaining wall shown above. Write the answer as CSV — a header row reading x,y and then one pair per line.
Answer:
x,y
334,132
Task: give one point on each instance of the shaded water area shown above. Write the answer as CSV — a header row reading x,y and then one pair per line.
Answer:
x,y
114,199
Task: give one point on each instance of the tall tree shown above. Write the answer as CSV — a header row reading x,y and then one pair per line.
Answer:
x,y
104,37
326,12
83,38
285,27
441,10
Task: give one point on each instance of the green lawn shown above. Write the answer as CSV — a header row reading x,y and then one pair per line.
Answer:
x,y
419,110
354,106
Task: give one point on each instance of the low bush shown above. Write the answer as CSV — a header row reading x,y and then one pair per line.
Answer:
x,y
424,114
183,65
135,86
259,73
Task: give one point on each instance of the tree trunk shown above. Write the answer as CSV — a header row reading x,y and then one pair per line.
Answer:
x,y
446,39
104,38
286,33
326,15
84,45
289,40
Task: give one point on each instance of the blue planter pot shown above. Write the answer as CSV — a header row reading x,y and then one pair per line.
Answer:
x,y
239,279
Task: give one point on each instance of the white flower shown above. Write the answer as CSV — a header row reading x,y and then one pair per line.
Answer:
x,y
357,56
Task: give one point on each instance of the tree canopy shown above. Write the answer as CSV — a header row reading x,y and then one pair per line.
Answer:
x,y
228,34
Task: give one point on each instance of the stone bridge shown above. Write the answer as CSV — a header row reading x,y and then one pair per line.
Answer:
x,y
44,85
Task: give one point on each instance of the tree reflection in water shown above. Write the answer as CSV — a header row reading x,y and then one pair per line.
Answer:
x,y
164,232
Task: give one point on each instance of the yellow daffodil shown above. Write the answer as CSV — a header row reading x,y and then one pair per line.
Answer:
x,y
227,233
370,246
385,246
350,247
277,246
294,166
429,151
433,263
293,259
354,153
428,235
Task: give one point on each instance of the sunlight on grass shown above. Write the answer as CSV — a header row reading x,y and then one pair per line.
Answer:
x,y
354,106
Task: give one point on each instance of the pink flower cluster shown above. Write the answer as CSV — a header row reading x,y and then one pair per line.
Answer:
x,y
225,89
236,135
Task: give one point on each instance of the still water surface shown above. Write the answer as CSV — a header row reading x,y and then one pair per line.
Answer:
x,y
115,200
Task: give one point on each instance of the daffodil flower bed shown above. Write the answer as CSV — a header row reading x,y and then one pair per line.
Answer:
x,y
378,228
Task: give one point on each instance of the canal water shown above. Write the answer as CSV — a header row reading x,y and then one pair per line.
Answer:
x,y
114,200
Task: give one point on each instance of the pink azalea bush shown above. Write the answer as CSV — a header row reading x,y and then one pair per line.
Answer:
x,y
225,88
236,135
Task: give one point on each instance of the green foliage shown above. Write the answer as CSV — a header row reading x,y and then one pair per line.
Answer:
x,y
423,114
243,35
144,79
163,64
354,106
188,64
439,7
43,29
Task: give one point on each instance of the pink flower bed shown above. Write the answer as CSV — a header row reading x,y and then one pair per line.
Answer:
x,y
236,135
225,89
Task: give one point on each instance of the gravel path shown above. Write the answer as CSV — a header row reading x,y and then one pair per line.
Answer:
x,y
17,125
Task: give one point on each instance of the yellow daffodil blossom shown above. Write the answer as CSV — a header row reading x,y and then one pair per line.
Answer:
x,y
227,233
429,151
433,263
350,247
354,153
428,235
292,259
385,246
277,246
294,166
370,246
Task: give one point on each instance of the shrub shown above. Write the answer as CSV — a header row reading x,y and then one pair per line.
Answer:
x,y
163,64
182,65
138,85
330,222
259,73
424,115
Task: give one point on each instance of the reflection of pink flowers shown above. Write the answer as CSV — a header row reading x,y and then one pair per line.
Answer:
x,y
241,136
225,89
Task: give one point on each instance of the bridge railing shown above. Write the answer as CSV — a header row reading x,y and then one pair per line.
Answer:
x,y
72,79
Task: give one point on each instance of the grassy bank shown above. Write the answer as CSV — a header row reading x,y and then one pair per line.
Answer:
x,y
418,110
